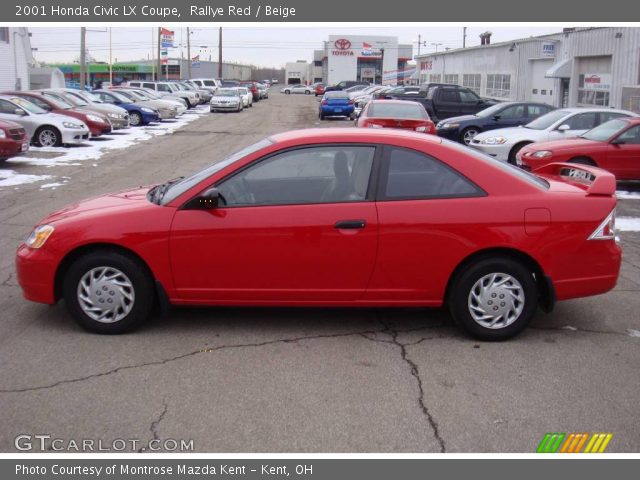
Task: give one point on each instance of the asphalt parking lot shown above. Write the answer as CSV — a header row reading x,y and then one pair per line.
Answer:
x,y
302,380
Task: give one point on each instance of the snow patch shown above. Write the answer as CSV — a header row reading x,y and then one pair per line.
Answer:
x,y
633,333
628,195
9,178
628,224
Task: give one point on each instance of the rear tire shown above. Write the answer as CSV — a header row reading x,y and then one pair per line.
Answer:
x,y
467,135
108,292
493,289
321,116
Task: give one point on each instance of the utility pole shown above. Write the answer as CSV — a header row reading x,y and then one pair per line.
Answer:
x,y
419,42
153,61
159,59
188,54
110,60
83,70
464,37
220,53
382,66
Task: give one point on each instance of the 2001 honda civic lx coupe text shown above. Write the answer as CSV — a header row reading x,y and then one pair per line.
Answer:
x,y
335,217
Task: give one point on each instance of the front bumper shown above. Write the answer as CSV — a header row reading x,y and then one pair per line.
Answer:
x,y
224,106
452,134
150,117
98,129
9,148
500,152
168,114
35,272
75,137
118,123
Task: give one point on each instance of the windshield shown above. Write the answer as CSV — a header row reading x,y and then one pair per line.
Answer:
x,y
149,93
59,103
172,87
605,131
178,188
120,97
227,93
409,111
489,112
73,99
209,83
131,95
545,121
88,96
27,105
243,91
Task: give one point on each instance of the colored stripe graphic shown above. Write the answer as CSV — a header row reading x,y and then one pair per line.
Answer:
x,y
573,442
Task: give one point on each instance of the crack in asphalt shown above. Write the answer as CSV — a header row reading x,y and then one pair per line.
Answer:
x,y
153,428
183,356
413,368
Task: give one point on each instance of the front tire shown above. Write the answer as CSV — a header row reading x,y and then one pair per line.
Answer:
x,y
493,298
48,137
108,292
135,119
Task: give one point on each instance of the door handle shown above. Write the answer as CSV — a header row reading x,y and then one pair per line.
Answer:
x,y
350,224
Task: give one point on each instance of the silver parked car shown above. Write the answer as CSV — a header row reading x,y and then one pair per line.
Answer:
x,y
118,117
226,99
43,128
191,98
305,89
167,110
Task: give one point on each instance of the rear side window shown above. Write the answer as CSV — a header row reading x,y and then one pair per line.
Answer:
x,y
412,175
582,121
606,116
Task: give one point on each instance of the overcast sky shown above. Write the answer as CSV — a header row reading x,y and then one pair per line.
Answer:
x,y
269,46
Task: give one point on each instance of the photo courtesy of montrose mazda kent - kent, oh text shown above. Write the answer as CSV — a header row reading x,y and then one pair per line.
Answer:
x,y
335,217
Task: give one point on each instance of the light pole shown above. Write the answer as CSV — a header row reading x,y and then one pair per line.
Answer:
x,y
436,45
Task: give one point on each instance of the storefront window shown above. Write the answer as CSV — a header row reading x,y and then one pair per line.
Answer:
x,y
451,78
435,78
593,89
499,85
472,82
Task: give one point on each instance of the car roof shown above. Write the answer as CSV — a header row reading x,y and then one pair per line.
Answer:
x,y
365,135
595,109
385,101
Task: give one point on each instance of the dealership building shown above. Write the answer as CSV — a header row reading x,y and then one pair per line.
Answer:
x,y
575,67
374,59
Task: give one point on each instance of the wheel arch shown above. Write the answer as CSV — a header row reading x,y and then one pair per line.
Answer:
x,y
546,292
585,157
77,252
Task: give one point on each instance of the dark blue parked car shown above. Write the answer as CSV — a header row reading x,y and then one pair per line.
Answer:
x,y
336,104
138,114
508,114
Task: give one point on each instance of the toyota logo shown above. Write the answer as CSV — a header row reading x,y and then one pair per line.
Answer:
x,y
342,44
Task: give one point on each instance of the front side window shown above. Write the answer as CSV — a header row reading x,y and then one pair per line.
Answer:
x,y
468,96
331,174
515,111
415,175
631,136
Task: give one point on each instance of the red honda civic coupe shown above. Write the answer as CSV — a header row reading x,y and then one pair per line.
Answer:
x,y
401,114
613,146
335,217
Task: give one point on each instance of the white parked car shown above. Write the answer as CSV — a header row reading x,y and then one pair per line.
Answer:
x,y
226,99
43,128
306,89
247,96
504,143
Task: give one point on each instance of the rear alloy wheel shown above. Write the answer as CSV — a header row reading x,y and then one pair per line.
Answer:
x,y
307,92
494,298
48,137
287,92
108,292
135,119
468,134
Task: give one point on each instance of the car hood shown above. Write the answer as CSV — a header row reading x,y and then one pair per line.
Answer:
x,y
461,118
106,108
126,199
56,119
575,143
513,134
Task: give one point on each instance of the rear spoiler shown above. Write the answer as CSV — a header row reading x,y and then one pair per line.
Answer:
x,y
594,180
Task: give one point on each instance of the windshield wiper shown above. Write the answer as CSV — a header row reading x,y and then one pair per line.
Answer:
x,y
160,190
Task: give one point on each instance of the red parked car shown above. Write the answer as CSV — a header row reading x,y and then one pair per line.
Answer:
x,y
340,217
396,114
319,90
13,139
613,145
98,124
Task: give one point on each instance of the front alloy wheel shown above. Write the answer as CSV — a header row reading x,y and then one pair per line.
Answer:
x,y
135,119
48,137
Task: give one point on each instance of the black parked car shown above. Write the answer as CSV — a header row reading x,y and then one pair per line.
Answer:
x,y
508,114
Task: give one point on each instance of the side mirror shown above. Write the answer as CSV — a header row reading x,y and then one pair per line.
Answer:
x,y
563,128
496,117
209,200
618,141
19,111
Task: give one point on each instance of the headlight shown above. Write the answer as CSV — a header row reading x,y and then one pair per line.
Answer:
x,y
146,110
114,115
493,141
542,154
95,118
449,125
3,134
39,236
73,126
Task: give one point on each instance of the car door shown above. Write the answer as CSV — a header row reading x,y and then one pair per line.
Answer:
x,y
425,213
297,226
447,103
511,116
577,123
469,102
623,155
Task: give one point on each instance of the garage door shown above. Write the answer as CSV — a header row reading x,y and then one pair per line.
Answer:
x,y
541,89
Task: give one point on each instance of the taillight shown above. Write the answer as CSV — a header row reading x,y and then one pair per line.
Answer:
x,y
324,102
350,102
607,229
